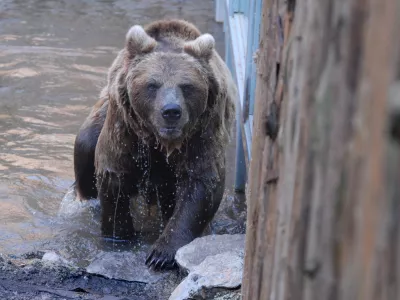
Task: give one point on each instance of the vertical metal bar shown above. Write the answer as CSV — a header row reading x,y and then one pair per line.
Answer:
x,y
249,76
234,6
254,46
240,164
244,6
219,10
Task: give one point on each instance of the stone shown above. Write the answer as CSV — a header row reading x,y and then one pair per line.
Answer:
x,y
230,217
198,250
124,265
53,257
228,295
215,266
215,272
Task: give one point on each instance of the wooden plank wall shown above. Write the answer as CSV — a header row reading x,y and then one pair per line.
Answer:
x,y
324,179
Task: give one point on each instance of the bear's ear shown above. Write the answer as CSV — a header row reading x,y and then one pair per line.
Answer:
x,y
202,47
138,41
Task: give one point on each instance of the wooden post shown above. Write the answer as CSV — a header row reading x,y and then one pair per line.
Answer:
x,y
324,194
262,158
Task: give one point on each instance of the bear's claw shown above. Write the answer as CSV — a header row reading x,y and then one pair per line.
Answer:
x,y
160,260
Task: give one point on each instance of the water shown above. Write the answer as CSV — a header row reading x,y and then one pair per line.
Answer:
x,y
54,56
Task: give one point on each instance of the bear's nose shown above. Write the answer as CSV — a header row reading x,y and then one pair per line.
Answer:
x,y
171,112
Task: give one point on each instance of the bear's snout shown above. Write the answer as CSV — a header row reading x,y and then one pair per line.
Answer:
x,y
171,112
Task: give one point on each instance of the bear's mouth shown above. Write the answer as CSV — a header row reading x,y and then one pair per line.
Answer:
x,y
170,133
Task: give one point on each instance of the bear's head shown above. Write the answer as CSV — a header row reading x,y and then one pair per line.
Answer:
x,y
166,83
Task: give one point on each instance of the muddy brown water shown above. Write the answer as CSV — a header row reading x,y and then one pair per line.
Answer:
x,y
54,56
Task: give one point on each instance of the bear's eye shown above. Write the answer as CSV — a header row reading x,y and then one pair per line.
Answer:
x,y
187,89
152,87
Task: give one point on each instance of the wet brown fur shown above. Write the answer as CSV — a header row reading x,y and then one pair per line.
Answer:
x,y
119,130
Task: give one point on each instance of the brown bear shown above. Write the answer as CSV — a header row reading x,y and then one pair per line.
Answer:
x,y
160,130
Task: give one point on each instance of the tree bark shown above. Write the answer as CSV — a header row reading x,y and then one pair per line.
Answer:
x,y
324,195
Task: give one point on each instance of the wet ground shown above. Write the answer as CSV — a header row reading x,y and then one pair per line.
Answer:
x,y
54,56
29,278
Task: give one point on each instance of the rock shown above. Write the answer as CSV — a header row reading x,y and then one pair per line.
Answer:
x,y
55,258
33,255
215,265
228,295
231,216
214,272
125,265
198,250
24,279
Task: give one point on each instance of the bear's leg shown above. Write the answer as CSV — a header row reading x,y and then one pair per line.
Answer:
x,y
115,191
195,207
84,148
164,195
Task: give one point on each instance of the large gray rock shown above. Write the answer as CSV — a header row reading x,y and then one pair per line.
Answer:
x,y
215,265
214,273
196,252
125,265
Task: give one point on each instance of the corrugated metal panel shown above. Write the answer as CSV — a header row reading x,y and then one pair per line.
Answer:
x,y
242,29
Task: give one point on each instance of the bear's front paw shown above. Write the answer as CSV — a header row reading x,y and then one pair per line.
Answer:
x,y
161,257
